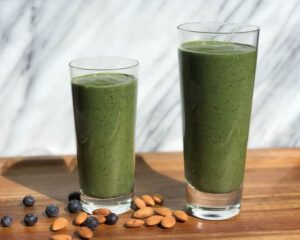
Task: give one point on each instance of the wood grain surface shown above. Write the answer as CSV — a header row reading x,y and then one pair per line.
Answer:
x,y
270,208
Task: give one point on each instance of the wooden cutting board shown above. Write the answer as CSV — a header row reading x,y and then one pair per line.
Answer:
x,y
270,208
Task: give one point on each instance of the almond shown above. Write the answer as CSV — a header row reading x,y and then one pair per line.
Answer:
x,y
148,200
101,218
163,211
85,232
59,224
133,223
61,237
80,218
168,222
153,220
158,199
138,202
180,216
144,212
102,211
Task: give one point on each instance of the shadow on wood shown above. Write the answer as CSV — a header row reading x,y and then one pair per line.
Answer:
x,y
56,177
48,176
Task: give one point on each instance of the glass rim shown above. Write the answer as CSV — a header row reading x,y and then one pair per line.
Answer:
x,y
134,63
252,28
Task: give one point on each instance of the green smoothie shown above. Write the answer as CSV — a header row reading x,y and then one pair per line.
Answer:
x,y
104,107
217,81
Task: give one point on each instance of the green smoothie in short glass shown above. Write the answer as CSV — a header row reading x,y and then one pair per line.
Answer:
x,y
104,107
217,84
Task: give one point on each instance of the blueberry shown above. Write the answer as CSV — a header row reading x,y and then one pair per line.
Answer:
x,y
74,195
112,219
51,210
91,222
6,221
74,206
28,201
30,219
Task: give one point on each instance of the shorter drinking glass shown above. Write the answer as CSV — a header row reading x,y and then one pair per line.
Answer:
x,y
104,99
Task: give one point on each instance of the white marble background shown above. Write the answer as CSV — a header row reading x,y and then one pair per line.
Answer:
x,y
39,38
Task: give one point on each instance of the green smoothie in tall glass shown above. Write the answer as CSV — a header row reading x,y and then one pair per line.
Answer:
x,y
217,84
104,107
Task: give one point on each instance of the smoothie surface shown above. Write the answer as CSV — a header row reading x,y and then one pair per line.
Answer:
x,y
216,47
103,80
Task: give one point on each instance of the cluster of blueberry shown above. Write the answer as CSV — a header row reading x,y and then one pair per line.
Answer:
x,y
52,210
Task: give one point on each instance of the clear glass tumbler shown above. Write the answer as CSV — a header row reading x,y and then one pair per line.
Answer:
x,y
104,100
217,63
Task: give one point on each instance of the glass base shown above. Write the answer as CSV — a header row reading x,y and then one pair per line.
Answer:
x,y
212,206
116,205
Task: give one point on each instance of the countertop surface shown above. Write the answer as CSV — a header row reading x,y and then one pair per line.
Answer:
x,y
270,206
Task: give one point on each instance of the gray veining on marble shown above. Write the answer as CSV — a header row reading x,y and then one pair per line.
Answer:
x,y
38,39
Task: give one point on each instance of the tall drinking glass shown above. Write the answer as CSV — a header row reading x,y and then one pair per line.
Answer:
x,y
217,70
104,100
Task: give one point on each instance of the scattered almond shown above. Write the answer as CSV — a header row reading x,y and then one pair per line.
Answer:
x,y
138,202
102,211
153,220
133,223
101,218
180,216
59,224
158,199
85,232
163,211
149,216
148,200
144,212
61,237
168,222
80,218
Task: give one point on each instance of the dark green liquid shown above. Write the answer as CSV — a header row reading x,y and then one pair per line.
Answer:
x,y
104,107
217,81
